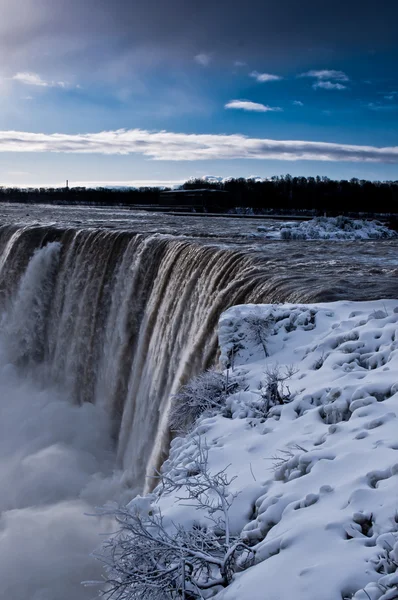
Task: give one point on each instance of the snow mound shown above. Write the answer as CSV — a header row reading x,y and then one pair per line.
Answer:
x,y
336,228
316,471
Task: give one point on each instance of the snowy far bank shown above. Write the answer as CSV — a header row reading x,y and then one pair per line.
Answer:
x,y
331,228
306,433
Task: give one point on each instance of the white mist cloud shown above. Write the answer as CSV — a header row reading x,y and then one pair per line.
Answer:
x,y
35,80
264,77
329,85
327,79
326,74
251,106
166,145
203,59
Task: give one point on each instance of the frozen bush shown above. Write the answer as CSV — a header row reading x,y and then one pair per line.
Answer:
x,y
205,393
152,559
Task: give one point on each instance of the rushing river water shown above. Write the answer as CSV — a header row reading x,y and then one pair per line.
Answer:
x,y
105,313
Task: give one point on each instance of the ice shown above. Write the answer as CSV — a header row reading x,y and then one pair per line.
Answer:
x,y
330,228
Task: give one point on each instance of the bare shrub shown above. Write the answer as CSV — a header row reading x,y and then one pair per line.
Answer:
x,y
205,393
260,328
274,390
151,559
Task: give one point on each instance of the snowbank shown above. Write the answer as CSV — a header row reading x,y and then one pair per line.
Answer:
x,y
317,477
310,446
336,228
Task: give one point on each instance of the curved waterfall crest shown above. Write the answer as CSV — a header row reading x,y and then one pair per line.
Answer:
x,y
122,319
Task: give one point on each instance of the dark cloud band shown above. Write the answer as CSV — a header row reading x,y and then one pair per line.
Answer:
x,y
39,31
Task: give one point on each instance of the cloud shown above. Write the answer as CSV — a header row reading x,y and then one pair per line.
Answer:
x,y
165,145
249,106
329,85
136,183
264,77
36,80
240,63
298,103
326,74
380,107
203,59
327,79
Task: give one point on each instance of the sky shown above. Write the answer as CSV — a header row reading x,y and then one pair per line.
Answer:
x,y
127,92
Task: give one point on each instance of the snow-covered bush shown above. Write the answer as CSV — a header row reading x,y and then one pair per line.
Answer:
x,y
273,389
259,329
205,393
151,558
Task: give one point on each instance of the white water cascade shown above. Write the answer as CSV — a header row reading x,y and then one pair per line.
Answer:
x,y
98,329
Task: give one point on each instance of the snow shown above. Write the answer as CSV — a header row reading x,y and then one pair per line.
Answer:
x,y
316,476
336,228
330,228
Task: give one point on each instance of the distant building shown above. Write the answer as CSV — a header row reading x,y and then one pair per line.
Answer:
x,y
200,199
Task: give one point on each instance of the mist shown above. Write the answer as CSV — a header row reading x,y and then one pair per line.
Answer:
x,y
56,463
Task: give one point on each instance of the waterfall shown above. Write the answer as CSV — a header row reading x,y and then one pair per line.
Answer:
x,y
122,319
24,328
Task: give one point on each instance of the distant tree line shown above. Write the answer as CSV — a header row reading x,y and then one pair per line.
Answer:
x,y
80,195
278,194
319,194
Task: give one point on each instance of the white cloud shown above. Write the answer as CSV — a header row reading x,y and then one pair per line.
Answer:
x,y
249,106
298,103
264,77
326,74
127,183
165,145
36,80
327,79
203,59
377,106
329,85
239,63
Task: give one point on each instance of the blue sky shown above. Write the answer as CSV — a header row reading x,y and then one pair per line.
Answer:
x,y
240,86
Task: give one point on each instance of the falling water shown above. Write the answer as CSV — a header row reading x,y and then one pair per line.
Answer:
x,y
121,320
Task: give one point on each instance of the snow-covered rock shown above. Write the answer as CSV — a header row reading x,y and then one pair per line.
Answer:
x,y
336,228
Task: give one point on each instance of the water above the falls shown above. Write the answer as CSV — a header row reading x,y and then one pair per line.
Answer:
x,y
104,315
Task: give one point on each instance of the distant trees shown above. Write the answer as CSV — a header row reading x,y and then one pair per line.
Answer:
x,y
280,194
318,194
80,195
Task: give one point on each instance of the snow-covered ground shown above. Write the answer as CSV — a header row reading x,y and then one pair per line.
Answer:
x,y
310,442
330,228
